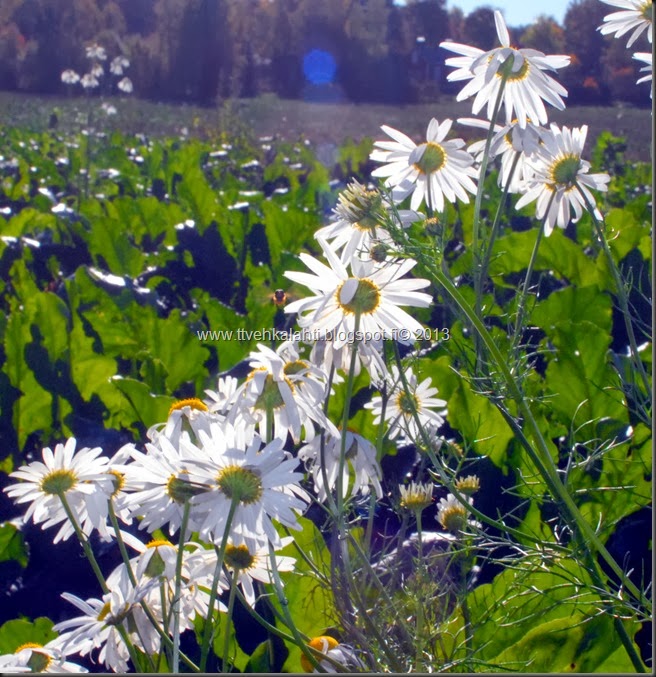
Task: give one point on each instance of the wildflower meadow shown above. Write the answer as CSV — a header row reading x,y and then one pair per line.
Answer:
x,y
392,420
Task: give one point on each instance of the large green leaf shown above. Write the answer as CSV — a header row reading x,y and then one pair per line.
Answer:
x,y
20,631
12,545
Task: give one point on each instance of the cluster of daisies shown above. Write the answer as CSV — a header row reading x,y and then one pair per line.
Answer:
x,y
97,56
227,477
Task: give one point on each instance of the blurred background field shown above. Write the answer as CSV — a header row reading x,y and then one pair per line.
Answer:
x,y
323,124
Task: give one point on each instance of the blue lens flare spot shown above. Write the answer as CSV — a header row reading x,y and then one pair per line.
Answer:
x,y
319,67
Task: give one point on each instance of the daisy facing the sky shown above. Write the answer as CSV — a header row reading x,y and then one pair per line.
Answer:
x,y
430,171
526,83
372,293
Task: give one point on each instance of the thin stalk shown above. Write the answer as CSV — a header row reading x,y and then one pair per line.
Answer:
x,y
220,552
540,456
478,281
521,305
226,637
175,606
168,642
88,551
300,642
484,162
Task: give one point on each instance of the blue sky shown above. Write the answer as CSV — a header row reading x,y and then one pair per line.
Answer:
x,y
518,12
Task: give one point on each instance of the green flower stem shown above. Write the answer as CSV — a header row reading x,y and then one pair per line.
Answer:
x,y
175,606
344,559
521,305
479,279
540,456
381,588
486,154
220,552
620,292
226,636
301,642
88,551
168,642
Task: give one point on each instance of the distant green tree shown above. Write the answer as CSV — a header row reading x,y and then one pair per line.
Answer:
x,y
587,44
56,32
479,28
545,35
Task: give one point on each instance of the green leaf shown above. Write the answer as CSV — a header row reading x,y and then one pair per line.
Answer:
x,y
480,423
20,631
141,403
12,545
573,644
583,385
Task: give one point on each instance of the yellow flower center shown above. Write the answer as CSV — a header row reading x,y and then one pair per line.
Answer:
x,y
432,159
58,482
118,479
238,557
453,518
322,645
240,483
408,403
192,403
365,300
647,10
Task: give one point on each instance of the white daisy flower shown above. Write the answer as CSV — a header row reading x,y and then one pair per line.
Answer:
x,y
430,171
69,77
158,483
372,292
95,51
508,141
97,71
359,224
118,65
416,495
369,354
189,416
50,657
125,85
97,628
222,400
559,173
89,81
343,655
81,477
646,58
400,406
453,515
526,83
635,15
281,389
157,561
263,481
13,664
247,564
360,465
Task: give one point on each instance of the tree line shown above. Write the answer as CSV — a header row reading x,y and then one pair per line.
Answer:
x,y
203,51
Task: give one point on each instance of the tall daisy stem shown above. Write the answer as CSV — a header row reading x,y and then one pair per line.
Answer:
x,y
84,541
479,280
226,635
521,304
220,552
175,606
